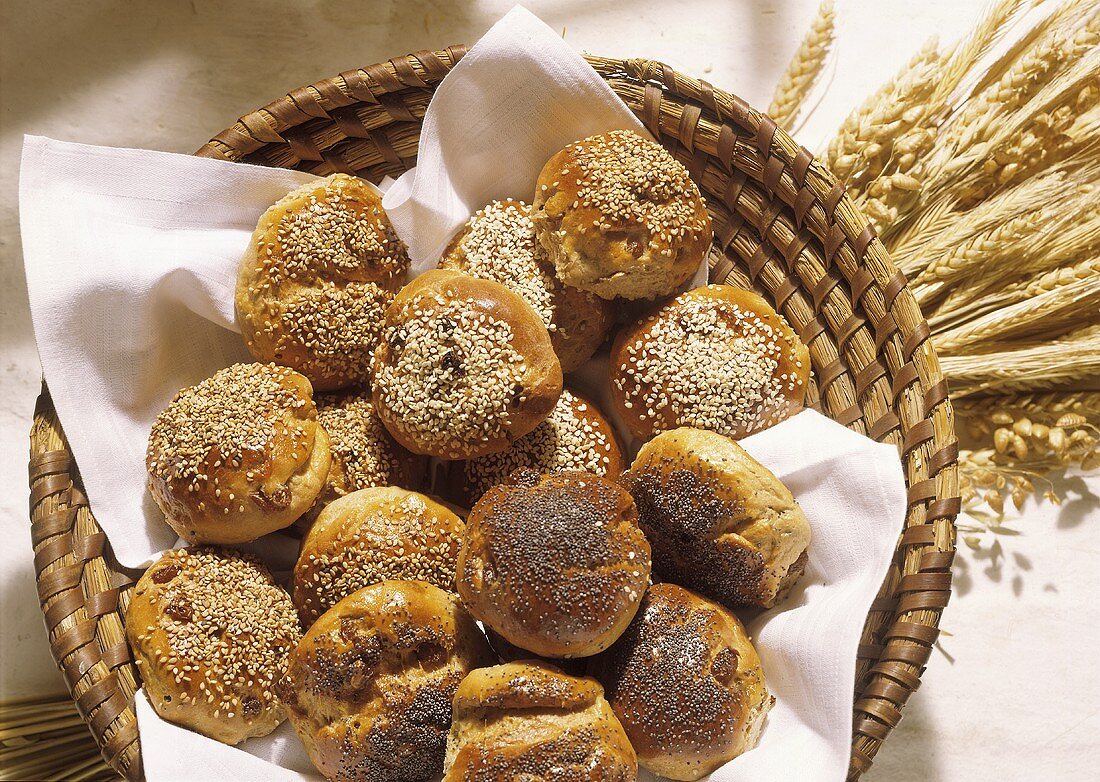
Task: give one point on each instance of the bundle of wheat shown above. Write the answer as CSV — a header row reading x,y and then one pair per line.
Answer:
x,y
46,738
978,165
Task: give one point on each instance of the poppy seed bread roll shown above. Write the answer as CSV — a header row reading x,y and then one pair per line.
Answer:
x,y
465,367
498,243
211,633
555,563
321,268
369,688
529,721
238,455
620,217
719,522
686,684
717,358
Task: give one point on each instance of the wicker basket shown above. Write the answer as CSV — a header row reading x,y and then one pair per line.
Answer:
x,y
783,226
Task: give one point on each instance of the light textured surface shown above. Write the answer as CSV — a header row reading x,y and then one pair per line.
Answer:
x,y
1010,696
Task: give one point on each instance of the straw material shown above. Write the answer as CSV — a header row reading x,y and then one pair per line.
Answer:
x,y
783,226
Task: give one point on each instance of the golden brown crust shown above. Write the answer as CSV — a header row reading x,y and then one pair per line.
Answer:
x,y
528,721
369,688
465,367
575,436
686,684
719,522
211,632
554,563
498,243
620,217
372,535
238,455
319,272
364,453
717,358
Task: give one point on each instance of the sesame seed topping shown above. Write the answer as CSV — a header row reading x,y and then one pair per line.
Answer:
x,y
364,454
452,374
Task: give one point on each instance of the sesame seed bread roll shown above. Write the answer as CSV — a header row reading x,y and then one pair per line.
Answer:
x,y
369,688
322,267
465,367
529,721
576,436
211,633
717,358
498,243
719,522
620,217
238,455
364,453
686,684
556,563
372,535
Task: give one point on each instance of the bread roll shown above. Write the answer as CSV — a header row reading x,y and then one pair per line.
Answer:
x,y
239,455
620,217
465,368
364,453
508,652
686,684
576,436
211,632
498,243
372,535
554,563
528,721
369,688
715,358
719,522
319,272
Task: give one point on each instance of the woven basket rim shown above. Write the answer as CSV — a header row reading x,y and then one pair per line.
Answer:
x,y
778,212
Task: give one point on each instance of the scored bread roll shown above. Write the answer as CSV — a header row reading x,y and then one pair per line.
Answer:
x,y
364,453
238,455
211,632
369,688
620,217
686,684
498,243
465,367
554,563
717,358
719,522
575,436
372,535
528,721
320,270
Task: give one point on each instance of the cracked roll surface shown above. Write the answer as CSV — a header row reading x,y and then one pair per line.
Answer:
x,y
717,358
555,564
369,688
686,684
372,535
364,453
211,633
321,268
529,721
719,522
498,243
620,217
465,367
575,436
238,455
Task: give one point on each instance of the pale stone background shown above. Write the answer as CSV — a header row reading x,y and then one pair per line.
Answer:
x,y
1011,694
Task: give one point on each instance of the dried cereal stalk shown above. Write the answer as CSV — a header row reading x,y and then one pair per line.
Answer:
x,y
804,69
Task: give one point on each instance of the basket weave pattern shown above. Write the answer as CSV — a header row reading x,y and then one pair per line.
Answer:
x,y
783,227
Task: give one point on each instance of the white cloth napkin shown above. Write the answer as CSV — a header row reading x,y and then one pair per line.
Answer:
x,y
131,259
852,491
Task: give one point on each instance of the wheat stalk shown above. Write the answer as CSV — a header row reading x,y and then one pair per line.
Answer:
x,y
46,738
804,69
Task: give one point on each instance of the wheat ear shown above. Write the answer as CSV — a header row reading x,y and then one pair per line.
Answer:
x,y
804,69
